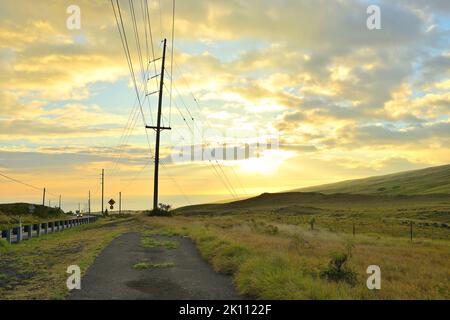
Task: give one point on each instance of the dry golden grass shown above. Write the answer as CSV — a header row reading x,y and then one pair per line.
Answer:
x,y
286,264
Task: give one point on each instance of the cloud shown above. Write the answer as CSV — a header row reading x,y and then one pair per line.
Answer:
x,y
356,101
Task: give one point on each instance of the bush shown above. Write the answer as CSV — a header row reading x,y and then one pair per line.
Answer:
x,y
337,270
163,210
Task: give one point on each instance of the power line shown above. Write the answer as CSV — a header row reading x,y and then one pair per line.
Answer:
x,y
199,108
25,184
225,179
171,58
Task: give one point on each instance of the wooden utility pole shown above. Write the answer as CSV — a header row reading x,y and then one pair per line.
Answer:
x,y
158,129
103,189
43,198
59,206
120,202
89,202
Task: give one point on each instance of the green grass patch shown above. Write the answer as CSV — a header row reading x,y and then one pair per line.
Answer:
x,y
147,265
150,242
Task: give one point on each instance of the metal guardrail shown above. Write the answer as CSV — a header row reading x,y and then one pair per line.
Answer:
x,y
18,234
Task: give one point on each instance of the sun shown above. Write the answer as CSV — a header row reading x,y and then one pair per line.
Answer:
x,y
267,164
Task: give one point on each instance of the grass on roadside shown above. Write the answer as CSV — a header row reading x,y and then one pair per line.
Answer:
x,y
298,263
36,268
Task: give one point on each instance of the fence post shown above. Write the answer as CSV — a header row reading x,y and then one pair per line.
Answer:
x,y
411,230
38,229
53,226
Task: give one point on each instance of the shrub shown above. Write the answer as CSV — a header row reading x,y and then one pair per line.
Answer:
x,y
271,229
337,269
163,210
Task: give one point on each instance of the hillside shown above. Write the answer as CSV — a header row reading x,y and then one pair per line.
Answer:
x,y
29,213
434,180
434,207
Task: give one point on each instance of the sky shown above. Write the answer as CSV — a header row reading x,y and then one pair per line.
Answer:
x,y
340,100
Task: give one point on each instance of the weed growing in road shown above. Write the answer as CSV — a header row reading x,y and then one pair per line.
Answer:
x,y
149,242
146,265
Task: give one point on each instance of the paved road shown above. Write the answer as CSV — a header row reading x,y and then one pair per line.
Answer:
x,y
112,275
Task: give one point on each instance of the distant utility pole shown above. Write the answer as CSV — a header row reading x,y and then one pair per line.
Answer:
x,y
43,198
158,129
89,202
59,202
103,188
120,202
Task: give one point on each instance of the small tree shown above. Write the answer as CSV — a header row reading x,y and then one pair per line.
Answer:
x,y
338,270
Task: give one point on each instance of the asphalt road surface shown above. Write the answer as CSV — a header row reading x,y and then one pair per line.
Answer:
x,y
112,275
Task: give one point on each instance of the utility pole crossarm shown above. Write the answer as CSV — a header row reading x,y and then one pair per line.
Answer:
x,y
158,128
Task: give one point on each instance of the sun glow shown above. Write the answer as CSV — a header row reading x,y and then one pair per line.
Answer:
x,y
266,164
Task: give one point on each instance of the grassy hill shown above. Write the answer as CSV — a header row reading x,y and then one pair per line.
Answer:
x,y
434,180
435,206
29,213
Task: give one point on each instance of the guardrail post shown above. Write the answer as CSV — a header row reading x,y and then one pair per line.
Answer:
x,y
29,230
9,235
45,228
19,234
52,226
38,229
